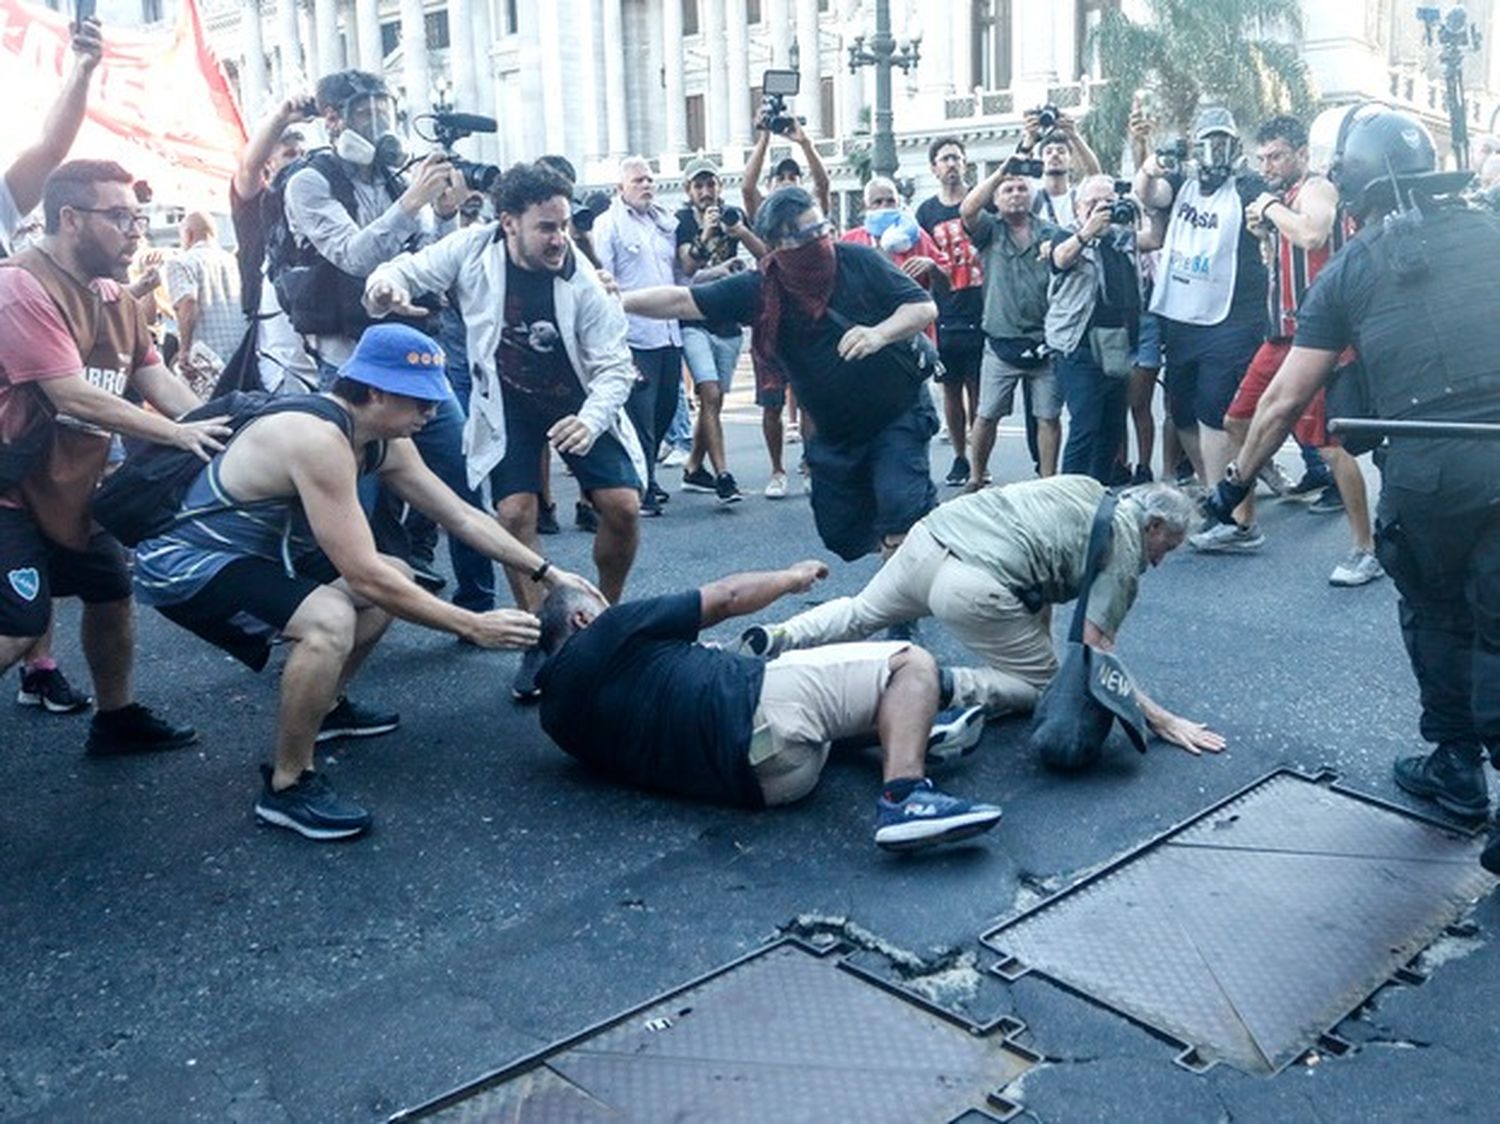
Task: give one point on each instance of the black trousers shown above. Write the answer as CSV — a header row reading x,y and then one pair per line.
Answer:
x,y
654,400
1438,536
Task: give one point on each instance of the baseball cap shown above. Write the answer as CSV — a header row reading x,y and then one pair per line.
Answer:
x,y
401,360
1214,119
697,166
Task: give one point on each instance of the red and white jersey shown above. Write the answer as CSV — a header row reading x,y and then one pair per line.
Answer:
x,y
1294,269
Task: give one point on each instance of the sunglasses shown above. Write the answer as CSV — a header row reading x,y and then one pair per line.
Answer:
x,y
805,234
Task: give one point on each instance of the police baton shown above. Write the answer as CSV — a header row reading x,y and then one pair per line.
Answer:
x,y
1390,427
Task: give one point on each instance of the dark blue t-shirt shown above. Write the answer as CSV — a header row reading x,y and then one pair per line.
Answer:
x,y
636,697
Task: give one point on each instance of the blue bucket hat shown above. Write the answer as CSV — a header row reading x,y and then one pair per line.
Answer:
x,y
401,360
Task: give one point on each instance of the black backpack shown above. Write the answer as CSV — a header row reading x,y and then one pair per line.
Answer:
x,y
320,298
142,498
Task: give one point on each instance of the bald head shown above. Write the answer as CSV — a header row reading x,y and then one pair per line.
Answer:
x,y
197,227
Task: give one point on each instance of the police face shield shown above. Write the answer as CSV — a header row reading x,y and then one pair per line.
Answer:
x,y
370,134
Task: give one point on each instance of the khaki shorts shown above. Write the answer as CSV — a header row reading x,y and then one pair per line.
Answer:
x,y
809,700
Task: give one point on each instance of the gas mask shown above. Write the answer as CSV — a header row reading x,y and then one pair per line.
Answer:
x,y
369,137
1217,154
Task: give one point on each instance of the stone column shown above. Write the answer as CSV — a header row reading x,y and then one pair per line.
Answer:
x,y
253,64
294,74
586,20
549,32
614,80
778,17
715,95
676,107
487,145
414,72
810,100
960,36
308,36
326,20
849,88
460,54
738,78
367,31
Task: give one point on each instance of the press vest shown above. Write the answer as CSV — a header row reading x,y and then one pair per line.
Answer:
x,y
1195,279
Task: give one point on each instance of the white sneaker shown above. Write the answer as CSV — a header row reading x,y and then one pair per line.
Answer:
x,y
1274,478
1360,568
793,433
1228,538
673,457
776,487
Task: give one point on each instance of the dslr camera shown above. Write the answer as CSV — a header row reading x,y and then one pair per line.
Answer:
x,y
1171,157
776,86
448,128
1123,210
1046,118
1029,166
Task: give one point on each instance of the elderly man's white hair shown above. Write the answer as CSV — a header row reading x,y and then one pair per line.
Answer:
x,y
633,162
877,182
1174,507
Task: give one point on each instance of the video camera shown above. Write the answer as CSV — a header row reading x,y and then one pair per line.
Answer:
x,y
448,128
1171,157
776,86
584,212
1123,210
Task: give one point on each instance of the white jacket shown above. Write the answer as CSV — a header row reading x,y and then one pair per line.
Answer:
x,y
470,264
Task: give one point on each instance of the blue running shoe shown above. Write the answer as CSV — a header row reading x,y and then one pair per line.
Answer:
x,y
955,733
928,817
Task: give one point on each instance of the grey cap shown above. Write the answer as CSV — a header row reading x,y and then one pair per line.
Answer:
x,y
1214,119
697,166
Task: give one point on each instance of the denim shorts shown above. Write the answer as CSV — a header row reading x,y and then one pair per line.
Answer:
x,y
710,358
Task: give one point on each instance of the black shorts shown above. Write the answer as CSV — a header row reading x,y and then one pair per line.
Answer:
x,y
961,352
245,606
36,569
1204,367
606,465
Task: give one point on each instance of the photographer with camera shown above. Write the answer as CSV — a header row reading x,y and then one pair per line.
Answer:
x,y
1210,288
775,120
709,236
1053,137
1012,244
1093,325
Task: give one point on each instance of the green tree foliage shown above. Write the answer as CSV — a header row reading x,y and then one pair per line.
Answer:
x,y
1188,53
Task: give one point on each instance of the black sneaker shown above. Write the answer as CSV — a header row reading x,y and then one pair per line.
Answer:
x,y
134,729
424,573
699,480
310,808
1329,502
650,506
1311,482
585,518
660,494
350,720
49,688
1489,858
727,490
546,519
523,688
958,475
1451,775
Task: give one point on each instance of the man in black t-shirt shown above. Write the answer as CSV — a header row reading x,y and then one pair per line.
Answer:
x,y
838,317
631,692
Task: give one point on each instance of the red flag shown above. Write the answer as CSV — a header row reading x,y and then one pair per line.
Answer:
x,y
159,103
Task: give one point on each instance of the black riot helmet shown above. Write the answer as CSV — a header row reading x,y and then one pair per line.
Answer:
x,y
1383,151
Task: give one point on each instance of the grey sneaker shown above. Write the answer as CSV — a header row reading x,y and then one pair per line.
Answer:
x,y
955,733
1451,775
1275,479
1360,568
1228,538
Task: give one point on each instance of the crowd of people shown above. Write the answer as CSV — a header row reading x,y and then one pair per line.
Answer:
x,y
422,354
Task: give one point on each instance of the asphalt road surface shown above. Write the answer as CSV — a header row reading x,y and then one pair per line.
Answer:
x,y
165,958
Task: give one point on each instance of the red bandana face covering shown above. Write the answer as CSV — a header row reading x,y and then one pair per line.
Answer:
x,y
804,275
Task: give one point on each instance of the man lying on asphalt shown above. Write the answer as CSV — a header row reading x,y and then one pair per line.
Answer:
x,y
631,692
270,539
987,565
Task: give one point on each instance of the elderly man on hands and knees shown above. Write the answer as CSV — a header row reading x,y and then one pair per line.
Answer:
x,y
270,540
551,368
632,693
833,314
988,564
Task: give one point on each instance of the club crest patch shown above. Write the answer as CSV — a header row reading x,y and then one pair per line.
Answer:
x,y
26,582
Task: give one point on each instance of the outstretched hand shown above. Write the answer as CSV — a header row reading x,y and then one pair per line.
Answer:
x,y
1192,736
804,574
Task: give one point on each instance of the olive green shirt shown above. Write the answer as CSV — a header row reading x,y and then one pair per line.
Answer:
x,y
1035,536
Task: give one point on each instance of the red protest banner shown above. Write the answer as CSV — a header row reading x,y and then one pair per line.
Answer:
x,y
159,103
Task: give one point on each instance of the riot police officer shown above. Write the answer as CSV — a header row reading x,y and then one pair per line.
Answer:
x,y
1414,293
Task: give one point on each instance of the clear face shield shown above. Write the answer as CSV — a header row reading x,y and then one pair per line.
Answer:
x,y
1216,153
371,134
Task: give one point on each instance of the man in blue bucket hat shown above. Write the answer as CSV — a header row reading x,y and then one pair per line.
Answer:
x,y
270,541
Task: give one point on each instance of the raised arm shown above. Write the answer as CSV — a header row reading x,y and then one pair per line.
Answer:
x,y
249,174
755,167
1084,157
741,594
815,168
979,197
1309,228
29,171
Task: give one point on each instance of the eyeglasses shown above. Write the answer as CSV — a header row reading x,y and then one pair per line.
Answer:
x,y
122,219
806,234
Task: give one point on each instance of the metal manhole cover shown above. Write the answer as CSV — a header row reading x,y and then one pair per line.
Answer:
x,y
1253,929
785,1034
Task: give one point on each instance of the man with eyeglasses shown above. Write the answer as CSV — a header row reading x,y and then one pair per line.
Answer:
x,y
836,316
76,344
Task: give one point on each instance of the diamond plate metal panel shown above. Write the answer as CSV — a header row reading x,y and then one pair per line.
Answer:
x,y
785,1035
1253,929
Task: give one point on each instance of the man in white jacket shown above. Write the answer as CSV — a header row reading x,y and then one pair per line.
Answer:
x,y
550,365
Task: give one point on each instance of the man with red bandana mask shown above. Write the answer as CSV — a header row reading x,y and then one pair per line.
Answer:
x,y
835,315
